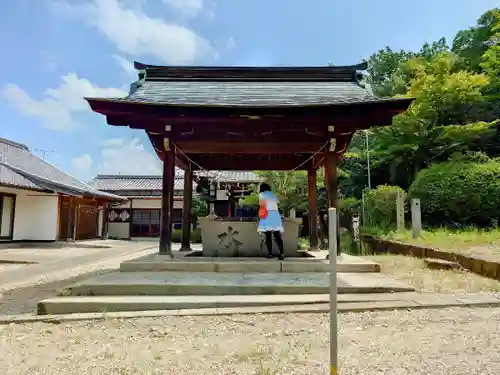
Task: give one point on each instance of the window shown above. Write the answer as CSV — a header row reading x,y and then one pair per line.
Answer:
x,y
145,222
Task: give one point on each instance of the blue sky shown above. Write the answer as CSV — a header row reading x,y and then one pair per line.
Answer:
x,y
57,51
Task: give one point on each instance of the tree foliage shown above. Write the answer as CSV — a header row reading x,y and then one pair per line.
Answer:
x,y
454,117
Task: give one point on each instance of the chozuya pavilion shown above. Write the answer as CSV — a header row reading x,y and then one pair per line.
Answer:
x,y
247,118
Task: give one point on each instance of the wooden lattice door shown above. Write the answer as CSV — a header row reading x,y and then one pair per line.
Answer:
x,y
66,218
88,222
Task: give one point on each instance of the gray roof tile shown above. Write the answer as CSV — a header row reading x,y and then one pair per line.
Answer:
x,y
154,182
250,93
20,168
250,86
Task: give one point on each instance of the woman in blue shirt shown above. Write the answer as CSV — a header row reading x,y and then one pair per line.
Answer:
x,y
271,225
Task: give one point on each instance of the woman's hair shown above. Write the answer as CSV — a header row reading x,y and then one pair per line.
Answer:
x,y
264,187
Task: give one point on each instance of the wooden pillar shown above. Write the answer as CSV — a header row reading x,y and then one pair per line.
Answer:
x,y
313,208
331,162
167,201
187,201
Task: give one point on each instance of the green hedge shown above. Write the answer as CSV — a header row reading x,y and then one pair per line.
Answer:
x,y
453,192
195,235
380,206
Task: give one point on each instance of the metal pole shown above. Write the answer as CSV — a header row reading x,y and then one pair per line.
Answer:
x,y
332,247
368,161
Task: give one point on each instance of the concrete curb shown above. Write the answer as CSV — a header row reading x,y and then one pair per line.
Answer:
x,y
349,307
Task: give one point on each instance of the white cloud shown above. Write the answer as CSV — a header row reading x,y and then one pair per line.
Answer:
x,y
57,107
121,157
126,65
186,7
135,33
82,163
112,142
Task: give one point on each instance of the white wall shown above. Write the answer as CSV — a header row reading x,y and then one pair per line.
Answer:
x,y
36,215
147,203
122,230
119,230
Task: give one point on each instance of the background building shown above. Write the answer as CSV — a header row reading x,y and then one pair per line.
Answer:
x,y
140,215
39,202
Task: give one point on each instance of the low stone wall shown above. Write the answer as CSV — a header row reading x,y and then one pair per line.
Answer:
x,y
477,264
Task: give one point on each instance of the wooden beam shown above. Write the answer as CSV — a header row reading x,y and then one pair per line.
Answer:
x,y
249,165
189,147
313,208
167,202
351,122
293,136
120,107
186,209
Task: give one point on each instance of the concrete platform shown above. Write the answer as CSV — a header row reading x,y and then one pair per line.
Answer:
x,y
216,283
84,304
155,262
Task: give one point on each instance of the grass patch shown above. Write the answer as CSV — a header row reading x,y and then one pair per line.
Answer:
x,y
195,235
412,271
465,241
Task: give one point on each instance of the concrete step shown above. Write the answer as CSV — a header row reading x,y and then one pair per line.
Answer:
x,y
85,304
155,262
440,264
216,283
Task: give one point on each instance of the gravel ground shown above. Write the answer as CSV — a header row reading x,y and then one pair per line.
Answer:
x,y
445,342
413,271
10,266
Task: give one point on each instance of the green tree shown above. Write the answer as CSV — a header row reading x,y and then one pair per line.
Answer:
x,y
441,89
471,44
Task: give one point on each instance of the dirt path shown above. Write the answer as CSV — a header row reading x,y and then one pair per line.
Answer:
x,y
24,300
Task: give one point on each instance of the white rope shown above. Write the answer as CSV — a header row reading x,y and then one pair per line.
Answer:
x,y
218,173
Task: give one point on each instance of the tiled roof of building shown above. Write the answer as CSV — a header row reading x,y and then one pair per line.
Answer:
x,y
19,168
250,86
154,182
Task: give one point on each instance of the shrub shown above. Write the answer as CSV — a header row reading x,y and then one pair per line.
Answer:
x,y
195,235
380,206
453,192
348,207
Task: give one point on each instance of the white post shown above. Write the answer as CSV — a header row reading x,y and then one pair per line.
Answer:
x,y
400,212
416,219
355,228
332,247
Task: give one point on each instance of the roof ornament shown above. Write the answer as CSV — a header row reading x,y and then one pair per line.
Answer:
x,y
140,81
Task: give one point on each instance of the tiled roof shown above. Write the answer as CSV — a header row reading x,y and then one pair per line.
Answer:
x,y
19,168
250,87
258,94
154,182
126,182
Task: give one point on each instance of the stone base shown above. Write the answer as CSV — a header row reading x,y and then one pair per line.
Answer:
x,y
227,238
217,283
161,263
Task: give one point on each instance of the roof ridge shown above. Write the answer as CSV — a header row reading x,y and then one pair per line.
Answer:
x,y
360,66
125,176
346,73
36,179
14,144
60,170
